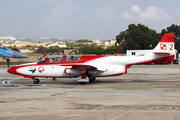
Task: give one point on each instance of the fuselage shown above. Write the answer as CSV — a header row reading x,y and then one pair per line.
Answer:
x,y
98,66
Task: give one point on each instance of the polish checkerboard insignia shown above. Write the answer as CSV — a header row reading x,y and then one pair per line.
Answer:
x,y
163,46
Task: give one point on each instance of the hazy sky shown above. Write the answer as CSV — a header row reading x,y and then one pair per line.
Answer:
x,y
83,19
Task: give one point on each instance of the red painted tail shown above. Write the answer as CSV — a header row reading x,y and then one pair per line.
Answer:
x,y
165,45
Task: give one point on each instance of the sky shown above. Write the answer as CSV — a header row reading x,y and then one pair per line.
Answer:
x,y
84,19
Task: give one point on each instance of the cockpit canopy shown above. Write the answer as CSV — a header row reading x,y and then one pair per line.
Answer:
x,y
61,58
72,58
42,61
3,47
58,58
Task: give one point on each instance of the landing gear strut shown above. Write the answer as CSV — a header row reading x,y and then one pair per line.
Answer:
x,y
36,81
92,79
85,78
7,61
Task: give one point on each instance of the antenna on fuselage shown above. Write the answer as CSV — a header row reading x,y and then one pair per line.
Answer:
x,y
117,51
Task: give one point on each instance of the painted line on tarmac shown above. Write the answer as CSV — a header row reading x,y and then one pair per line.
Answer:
x,y
82,90
8,84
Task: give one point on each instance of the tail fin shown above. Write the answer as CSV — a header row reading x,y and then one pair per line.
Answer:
x,y
165,45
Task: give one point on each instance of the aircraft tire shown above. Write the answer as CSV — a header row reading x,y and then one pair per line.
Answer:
x,y
83,83
92,80
36,81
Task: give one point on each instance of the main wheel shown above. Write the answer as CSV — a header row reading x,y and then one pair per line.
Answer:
x,y
92,80
36,81
82,83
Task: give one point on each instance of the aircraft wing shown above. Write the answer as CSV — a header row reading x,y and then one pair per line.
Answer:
x,y
85,67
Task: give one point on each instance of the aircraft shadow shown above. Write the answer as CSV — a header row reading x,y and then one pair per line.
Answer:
x,y
96,82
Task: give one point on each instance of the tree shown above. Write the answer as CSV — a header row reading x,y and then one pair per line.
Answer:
x,y
83,40
74,44
137,37
30,47
60,50
13,48
53,49
111,50
92,49
42,50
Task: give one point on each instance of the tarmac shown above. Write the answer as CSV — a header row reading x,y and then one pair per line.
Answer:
x,y
146,92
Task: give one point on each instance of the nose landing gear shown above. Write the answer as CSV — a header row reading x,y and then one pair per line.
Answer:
x,y
36,80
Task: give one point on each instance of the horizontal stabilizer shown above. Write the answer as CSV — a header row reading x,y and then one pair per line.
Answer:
x,y
160,52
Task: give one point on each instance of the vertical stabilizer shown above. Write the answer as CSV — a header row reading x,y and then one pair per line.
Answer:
x,y
165,45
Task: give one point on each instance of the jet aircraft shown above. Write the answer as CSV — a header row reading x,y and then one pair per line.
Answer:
x,y
87,68
7,53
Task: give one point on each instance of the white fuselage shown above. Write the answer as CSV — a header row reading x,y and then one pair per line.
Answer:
x,y
106,66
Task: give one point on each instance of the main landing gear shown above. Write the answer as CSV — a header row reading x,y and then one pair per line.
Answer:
x,y
85,78
90,81
36,80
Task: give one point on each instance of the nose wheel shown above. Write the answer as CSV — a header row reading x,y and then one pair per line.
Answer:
x,y
36,81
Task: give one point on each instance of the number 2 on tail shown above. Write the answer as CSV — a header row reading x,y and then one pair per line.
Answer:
x,y
171,46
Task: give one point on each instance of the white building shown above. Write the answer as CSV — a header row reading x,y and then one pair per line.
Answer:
x,y
60,45
8,37
113,42
96,41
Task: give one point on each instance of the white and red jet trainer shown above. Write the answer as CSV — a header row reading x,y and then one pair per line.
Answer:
x,y
87,68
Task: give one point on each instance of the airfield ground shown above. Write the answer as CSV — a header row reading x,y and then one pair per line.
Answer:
x,y
146,92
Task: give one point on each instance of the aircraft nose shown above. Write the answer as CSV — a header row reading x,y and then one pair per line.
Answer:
x,y
12,70
19,55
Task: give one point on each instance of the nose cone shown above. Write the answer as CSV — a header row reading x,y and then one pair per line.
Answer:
x,y
19,55
12,70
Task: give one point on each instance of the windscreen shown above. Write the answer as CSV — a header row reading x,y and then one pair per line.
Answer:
x,y
42,62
